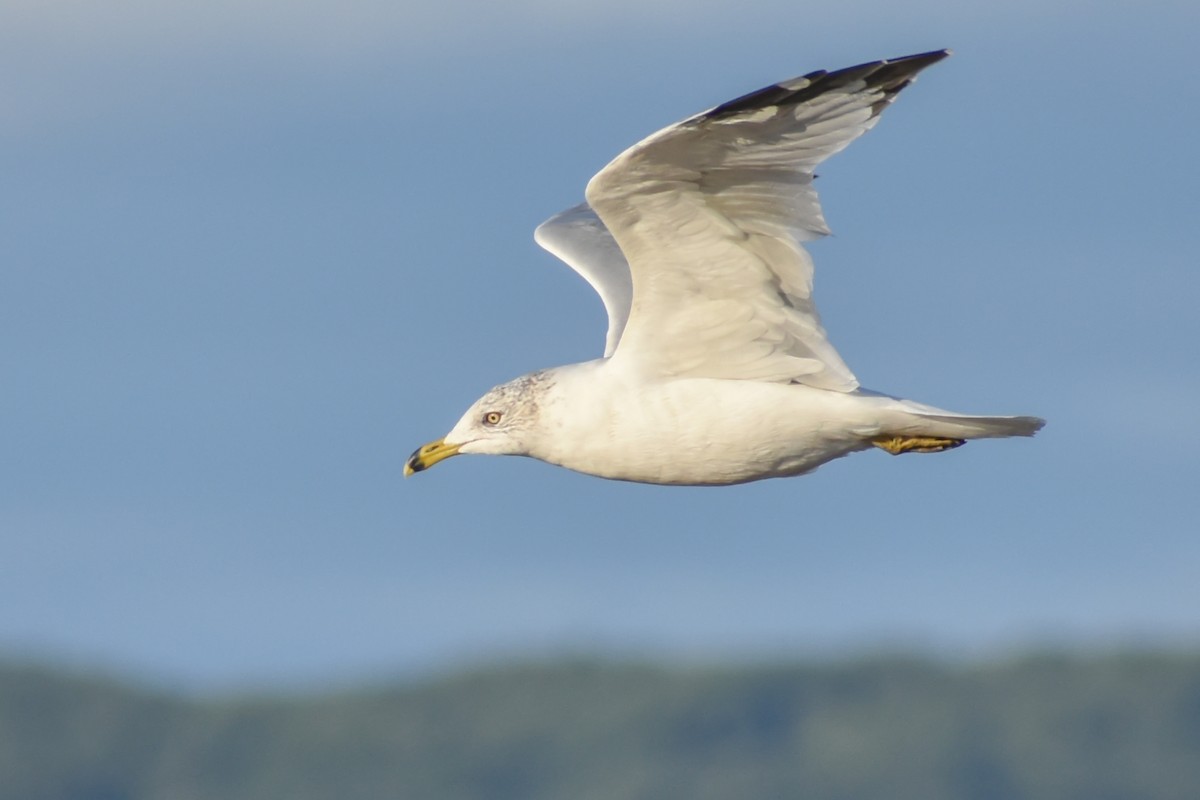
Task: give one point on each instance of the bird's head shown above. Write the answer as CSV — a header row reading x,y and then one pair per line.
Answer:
x,y
501,422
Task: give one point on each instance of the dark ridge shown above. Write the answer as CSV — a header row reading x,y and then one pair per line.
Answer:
x,y
890,75
1048,726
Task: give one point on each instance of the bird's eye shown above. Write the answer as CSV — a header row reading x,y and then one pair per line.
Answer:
x,y
491,418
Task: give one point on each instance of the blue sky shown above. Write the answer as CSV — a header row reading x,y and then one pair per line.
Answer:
x,y
254,253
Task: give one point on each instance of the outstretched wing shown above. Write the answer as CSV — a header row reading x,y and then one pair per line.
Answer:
x,y
579,238
710,213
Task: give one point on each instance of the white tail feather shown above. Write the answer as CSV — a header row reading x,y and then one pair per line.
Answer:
x,y
917,419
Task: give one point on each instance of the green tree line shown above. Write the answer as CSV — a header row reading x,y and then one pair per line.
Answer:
x,y
1104,727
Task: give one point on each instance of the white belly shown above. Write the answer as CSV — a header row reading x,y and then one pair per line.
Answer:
x,y
707,431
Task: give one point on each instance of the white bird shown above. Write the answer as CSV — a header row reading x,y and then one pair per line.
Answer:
x,y
716,369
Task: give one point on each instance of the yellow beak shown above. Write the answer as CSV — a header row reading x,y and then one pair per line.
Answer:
x,y
427,455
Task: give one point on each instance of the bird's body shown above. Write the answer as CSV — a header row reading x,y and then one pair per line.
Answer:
x,y
757,428
754,429
716,368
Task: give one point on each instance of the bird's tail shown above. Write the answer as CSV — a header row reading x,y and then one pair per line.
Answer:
x,y
914,427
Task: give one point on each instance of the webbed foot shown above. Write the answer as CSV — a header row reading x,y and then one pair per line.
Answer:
x,y
916,444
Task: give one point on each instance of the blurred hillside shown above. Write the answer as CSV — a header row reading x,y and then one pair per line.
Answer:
x,y
1101,728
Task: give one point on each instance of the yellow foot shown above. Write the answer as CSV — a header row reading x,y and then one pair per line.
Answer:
x,y
916,444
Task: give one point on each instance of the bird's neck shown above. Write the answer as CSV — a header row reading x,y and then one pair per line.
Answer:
x,y
587,420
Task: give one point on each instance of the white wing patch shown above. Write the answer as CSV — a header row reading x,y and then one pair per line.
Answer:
x,y
579,238
710,214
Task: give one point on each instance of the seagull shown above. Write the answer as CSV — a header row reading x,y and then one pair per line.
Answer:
x,y
716,369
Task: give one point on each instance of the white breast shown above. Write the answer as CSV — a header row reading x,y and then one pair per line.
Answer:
x,y
695,430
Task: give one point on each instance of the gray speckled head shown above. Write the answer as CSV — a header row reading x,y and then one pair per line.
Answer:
x,y
505,421
521,395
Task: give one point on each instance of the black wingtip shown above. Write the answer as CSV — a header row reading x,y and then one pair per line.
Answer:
x,y
899,72
890,75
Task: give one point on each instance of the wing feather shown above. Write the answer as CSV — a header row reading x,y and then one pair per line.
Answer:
x,y
710,214
579,238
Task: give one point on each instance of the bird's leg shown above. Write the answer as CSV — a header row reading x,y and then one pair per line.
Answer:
x,y
916,444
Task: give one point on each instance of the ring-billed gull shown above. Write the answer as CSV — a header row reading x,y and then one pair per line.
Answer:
x,y
716,369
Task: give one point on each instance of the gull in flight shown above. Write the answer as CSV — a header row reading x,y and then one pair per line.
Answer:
x,y
716,369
